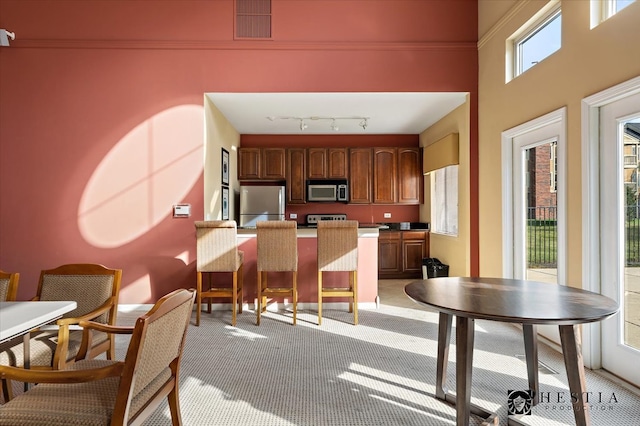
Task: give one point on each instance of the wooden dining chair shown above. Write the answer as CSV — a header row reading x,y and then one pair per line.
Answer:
x,y
109,392
217,251
338,252
277,251
95,289
8,285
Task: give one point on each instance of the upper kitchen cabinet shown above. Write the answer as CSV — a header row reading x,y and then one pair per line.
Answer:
x,y
296,173
397,176
385,173
410,178
331,163
338,166
248,163
360,167
261,164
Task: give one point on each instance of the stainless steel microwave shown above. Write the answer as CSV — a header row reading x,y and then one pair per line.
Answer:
x,y
328,190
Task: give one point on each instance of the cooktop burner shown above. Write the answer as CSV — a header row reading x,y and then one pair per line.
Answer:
x,y
312,219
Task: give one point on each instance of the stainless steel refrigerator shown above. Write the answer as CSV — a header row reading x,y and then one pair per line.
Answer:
x,y
261,203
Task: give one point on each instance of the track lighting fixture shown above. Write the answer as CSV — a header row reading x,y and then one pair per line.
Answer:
x,y
363,121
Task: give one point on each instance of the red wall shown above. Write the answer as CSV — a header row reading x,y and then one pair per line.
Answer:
x,y
80,76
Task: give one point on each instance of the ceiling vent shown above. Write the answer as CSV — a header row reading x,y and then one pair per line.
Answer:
x,y
253,19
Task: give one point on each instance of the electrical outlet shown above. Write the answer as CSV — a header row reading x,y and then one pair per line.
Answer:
x,y
387,215
293,215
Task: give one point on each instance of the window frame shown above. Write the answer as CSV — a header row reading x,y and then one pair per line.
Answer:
x,y
528,31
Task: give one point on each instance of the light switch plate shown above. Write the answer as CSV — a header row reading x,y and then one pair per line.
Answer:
x,y
182,210
387,215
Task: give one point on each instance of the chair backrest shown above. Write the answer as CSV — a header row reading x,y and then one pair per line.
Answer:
x,y
277,245
154,353
8,285
216,246
337,245
89,285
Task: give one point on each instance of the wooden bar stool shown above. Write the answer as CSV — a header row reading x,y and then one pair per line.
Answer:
x,y
277,252
217,251
338,251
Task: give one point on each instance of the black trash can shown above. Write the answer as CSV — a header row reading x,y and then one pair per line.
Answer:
x,y
434,268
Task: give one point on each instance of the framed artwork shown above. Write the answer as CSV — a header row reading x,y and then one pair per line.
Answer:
x,y
225,203
225,167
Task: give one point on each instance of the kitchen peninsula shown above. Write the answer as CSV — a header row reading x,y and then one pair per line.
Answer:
x,y
308,267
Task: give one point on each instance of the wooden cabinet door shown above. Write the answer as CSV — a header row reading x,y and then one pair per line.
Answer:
x,y
296,175
338,163
414,248
317,163
360,168
389,253
248,163
384,175
410,178
273,164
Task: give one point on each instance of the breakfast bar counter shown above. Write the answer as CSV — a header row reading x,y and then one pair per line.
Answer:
x,y
308,267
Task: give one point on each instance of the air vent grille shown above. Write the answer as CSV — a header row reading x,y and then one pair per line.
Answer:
x,y
253,19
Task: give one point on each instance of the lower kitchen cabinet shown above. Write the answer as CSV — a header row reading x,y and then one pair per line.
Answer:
x,y
400,253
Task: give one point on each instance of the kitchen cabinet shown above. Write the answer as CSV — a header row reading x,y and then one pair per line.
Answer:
x,y
360,175
273,163
261,164
410,178
338,165
248,163
385,174
327,163
389,253
397,176
296,175
400,253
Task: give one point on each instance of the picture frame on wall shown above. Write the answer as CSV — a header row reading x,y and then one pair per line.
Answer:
x,y
225,167
225,203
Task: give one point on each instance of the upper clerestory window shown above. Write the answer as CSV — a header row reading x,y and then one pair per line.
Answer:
x,y
537,40
601,10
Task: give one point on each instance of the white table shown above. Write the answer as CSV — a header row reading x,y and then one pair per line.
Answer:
x,y
19,318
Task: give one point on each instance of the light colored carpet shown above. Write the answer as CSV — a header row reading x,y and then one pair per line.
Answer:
x,y
381,372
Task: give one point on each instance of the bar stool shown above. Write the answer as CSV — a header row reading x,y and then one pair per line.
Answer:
x,y
277,252
217,251
338,251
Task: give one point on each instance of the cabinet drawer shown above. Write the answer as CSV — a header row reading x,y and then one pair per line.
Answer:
x,y
386,235
414,235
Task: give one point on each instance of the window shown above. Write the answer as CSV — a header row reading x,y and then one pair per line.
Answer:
x,y
444,200
604,9
538,41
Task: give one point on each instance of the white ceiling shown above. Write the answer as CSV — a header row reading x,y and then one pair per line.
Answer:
x,y
388,113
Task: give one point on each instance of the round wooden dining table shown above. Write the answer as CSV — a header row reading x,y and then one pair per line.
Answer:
x,y
514,301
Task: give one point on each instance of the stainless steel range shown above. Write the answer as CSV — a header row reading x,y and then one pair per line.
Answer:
x,y
312,219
